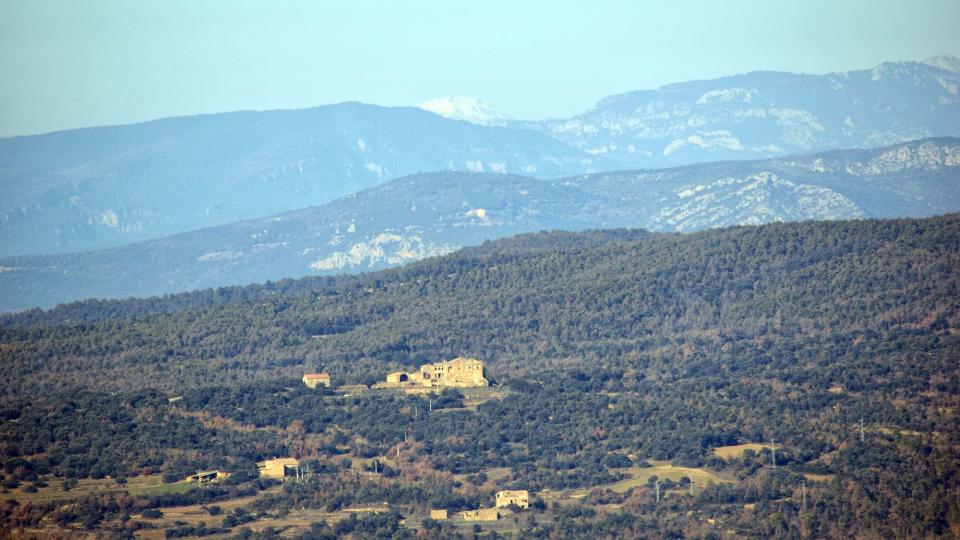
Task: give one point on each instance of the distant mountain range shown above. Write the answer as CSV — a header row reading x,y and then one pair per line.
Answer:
x,y
99,187
102,187
432,214
768,114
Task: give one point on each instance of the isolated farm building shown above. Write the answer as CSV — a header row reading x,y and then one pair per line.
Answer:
x,y
518,498
440,514
312,380
277,468
207,476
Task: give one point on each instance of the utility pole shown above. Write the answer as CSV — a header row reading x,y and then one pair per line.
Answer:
x,y
861,429
416,414
773,453
803,498
658,491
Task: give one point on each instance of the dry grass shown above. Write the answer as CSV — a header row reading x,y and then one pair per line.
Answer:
x,y
472,397
195,513
141,485
639,476
664,471
737,450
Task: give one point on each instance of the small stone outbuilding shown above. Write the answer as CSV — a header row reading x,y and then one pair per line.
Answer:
x,y
312,380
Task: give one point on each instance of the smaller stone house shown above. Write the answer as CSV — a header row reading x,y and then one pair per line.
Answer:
x,y
277,468
440,514
519,498
398,377
312,380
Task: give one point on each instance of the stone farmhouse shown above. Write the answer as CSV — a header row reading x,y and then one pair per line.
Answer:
x,y
519,498
277,468
312,380
457,373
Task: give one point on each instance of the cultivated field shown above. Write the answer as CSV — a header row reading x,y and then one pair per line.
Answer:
x,y
142,485
737,450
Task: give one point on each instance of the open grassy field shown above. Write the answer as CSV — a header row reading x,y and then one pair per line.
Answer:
x,y
639,477
472,396
737,450
476,396
142,485
195,513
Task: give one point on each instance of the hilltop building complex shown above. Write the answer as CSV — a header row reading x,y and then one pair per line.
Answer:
x,y
456,373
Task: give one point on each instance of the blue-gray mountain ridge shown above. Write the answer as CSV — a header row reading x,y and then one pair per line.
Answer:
x,y
434,213
100,187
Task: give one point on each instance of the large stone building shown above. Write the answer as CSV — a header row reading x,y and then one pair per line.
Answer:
x,y
457,373
519,498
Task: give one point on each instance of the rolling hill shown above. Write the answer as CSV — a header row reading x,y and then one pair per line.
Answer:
x,y
433,214
617,350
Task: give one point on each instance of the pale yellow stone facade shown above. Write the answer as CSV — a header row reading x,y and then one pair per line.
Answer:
x,y
398,377
457,373
519,498
276,468
312,380
438,514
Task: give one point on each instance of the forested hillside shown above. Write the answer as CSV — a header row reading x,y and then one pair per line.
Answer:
x,y
617,350
526,303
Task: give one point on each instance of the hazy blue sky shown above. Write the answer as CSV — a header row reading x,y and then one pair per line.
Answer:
x,y
80,63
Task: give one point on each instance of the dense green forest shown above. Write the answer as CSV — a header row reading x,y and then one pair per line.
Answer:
x,y
610,349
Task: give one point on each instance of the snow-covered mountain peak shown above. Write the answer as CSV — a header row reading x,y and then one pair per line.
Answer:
x,y
468,109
